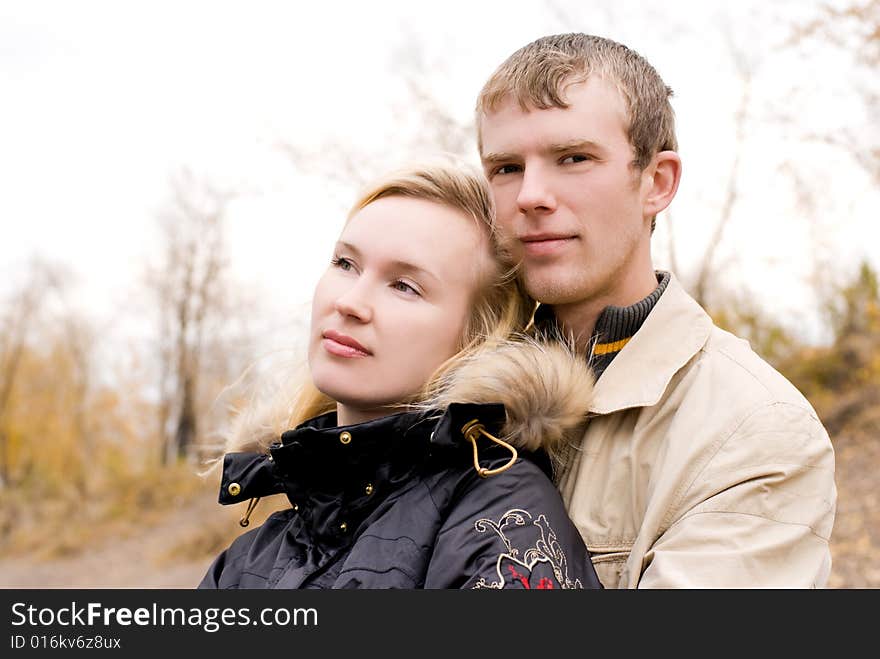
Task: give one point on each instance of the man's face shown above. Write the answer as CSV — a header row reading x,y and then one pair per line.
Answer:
x,y
567,197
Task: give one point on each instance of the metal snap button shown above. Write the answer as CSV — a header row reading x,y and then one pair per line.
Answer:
x,y
345,437
369,489
234,489
343,527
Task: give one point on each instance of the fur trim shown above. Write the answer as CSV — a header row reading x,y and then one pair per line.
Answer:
x,y
545,386
261,404
546,389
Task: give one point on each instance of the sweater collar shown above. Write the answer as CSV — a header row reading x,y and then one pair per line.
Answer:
x,y
674,331
642,346
615,326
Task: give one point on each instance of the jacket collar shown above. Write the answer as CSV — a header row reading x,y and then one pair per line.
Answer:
x,y
675,330
336,476
319,455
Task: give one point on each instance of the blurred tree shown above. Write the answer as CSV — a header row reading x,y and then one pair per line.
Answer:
x,y
434,127
702,281
854,309
854,27
190,289
20,316
740,314
425,124
842,379
850,28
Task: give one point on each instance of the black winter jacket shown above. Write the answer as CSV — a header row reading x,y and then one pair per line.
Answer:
x,y
400,505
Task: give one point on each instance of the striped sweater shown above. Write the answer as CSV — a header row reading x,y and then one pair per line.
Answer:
x,y
614,327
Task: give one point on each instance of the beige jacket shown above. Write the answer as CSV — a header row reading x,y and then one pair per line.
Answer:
x,y
702,466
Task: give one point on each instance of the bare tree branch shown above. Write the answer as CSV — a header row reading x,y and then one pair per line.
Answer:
x,y
190,289
21,313
707,269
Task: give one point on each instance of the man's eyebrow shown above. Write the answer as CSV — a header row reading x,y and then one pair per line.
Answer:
x,y
558,147
574,145
396,264
491,158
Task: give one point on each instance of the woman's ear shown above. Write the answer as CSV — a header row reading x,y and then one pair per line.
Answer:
x,y
660,182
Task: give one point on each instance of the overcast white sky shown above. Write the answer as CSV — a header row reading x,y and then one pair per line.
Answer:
x,y
103,101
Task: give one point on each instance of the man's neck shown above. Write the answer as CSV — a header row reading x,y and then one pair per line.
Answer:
x,y
579,318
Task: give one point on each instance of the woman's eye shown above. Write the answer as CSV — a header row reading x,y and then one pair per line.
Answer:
x,y
342,263
403,287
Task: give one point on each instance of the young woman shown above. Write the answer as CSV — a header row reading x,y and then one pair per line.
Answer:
x,y
416,454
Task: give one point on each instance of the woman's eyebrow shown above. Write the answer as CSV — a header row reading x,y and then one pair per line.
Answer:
x,y
396,264
405,266
348,247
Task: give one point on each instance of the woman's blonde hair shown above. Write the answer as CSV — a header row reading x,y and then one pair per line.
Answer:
x,y
500,309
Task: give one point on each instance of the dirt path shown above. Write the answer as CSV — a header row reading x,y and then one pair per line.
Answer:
x,y
137,561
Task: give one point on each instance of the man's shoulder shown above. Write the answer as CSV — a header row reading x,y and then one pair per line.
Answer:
x,y
744,393
739,369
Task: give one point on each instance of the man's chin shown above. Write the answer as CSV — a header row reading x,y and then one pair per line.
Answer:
x,y
550,291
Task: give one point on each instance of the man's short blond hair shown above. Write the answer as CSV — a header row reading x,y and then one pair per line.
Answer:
x,y
537,74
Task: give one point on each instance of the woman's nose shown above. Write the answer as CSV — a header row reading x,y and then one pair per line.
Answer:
x,y
355,303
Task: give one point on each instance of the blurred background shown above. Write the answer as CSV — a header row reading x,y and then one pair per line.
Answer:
x,y
174,175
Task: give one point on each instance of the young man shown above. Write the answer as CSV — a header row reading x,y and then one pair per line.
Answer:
x,y
700,465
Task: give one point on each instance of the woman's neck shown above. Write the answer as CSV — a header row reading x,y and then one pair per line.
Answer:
x,y
349,416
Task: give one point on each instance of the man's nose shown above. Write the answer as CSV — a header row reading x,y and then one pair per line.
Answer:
x,y
535,193
355,303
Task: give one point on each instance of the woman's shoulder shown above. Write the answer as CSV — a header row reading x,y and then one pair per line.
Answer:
x,y
530,469
274,526
528,476
509,529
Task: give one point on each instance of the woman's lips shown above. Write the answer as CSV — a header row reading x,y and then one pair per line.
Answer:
x,y
341,350
342,345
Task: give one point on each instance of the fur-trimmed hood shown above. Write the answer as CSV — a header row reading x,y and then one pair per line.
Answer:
x,y
545,387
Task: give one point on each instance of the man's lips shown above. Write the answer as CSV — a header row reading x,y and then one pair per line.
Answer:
x,y
544,244
342,345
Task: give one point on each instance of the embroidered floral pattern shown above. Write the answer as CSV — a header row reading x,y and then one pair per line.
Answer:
x,y
542,566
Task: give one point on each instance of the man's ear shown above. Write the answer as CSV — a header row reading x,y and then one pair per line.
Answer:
x,y
660,182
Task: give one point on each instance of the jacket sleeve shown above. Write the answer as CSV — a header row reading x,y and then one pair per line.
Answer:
x,y
225,570
759,513
211,580
509,530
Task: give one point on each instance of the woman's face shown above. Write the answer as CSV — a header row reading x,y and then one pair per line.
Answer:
x,y
393,303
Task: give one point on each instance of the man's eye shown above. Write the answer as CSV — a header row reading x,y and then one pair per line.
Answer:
x,y
568,160
507,169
